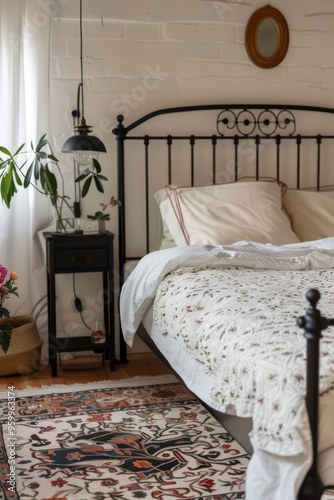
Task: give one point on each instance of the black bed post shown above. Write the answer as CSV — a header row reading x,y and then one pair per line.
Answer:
x,y
313,324
120,134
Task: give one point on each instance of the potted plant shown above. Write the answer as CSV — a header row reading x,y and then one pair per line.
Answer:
x,y
19,340
40,169
7,287
100,216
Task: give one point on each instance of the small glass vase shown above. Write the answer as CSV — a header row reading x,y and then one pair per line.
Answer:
x,y
65,225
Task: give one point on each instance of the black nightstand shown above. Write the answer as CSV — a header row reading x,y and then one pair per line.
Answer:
x,y
80,253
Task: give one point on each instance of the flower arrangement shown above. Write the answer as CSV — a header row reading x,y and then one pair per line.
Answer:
x,y
7,287
100,215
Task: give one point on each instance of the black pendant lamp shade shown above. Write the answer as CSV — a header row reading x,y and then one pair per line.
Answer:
x,y
82,141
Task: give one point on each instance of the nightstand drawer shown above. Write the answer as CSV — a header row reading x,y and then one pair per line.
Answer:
x,y
88,258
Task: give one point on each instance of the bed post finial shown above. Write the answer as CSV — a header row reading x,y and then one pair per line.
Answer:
x,y
118,131
313,323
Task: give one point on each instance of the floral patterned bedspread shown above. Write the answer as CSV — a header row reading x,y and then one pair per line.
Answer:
x,y
241,324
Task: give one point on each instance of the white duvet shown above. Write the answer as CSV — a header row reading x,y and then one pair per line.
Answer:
x,y
258,385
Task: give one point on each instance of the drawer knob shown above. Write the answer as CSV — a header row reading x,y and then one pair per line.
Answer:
x,y
81,258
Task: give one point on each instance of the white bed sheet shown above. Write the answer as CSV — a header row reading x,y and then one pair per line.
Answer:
x,y
269,477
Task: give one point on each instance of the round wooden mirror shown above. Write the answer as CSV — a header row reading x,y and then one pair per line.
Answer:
x,y
267,37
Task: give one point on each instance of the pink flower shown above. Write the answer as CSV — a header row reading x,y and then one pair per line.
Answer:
x,y
112,203
3,290
3,273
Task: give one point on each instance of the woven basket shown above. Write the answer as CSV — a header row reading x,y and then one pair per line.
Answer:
x,y
24,353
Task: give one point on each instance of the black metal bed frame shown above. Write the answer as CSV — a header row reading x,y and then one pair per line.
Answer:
x,y
236,123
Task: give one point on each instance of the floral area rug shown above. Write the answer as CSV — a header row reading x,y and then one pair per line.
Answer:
x,y
130,439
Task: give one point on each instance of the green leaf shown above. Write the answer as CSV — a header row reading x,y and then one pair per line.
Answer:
x,y
97,166
81,177
53,158
4,192
5,335
8,188
98,184
51,184
42,179
3,164
17,177
4,313
5,150
36,169
86,186
41,143
28,175
42,155
18,150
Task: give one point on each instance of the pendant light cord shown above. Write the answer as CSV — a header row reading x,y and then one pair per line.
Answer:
x,y
81,63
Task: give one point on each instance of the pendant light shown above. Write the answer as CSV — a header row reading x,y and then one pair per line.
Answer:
x,y
83,145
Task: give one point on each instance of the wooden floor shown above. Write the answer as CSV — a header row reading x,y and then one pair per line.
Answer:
x,y
86,370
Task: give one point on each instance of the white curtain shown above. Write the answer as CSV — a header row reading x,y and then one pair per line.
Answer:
x,y
25,34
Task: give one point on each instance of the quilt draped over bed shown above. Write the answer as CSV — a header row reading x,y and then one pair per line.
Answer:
x,y
234,308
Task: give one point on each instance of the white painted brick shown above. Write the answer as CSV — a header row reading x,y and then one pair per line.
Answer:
x,y
150,68
229,70
204,50
307,74
271,76
232,52
154,10
92,47
164,50
320,96
172,85
65,29
297,56
140,31
94,68
121,67
106,29
239,34
181,31
105,85
70,68
323,57
319,7
126,48
309,38
140,88
329,80
59,47
192,69
63,67
216,32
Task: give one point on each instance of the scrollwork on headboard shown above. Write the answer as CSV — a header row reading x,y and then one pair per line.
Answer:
x,y
267,122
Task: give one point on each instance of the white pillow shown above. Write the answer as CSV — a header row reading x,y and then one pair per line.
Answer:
x,y
226,213
311,213
166,239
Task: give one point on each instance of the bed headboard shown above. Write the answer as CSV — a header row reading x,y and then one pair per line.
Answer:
x,y
209,144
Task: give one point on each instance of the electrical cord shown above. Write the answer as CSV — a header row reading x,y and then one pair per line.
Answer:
x,y
78,304
35,314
